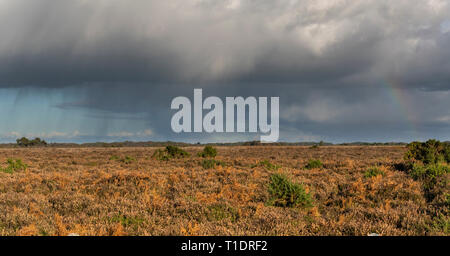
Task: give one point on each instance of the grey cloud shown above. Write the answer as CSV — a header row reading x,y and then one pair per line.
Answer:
x,y
48,43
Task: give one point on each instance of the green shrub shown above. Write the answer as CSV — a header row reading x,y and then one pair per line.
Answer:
x,y
268,165
208,151
373,172
313,164
218,212
430,152
13,165
429,174
176,152
169,152
285,193
211,163
160,155
128,160
114,157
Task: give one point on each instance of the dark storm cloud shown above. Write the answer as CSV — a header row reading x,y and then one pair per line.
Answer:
x,y
329,61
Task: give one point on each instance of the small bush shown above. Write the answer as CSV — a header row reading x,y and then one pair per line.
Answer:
x,y
160,155
430,152
176,152
13,165
169,153
313,164
373,172
211,163
128,160
208,151
429,174
285,193
218,212
114,157
268,165
127,221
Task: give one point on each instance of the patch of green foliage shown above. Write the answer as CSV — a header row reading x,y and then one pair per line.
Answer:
x,y
313,164
285,193
160,155
176,152
429,174
24,142
428,162
208,151
114,157
268,165
218,212
128,159
169,152
430,152
127,221
13,165
373,172
211,163
440,223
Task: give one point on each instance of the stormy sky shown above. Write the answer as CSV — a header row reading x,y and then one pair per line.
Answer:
x,y
107,70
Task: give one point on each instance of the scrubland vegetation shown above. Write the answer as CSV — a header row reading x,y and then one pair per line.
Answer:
x,y
240,190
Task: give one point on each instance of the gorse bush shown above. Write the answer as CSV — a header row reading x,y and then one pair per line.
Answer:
x,y
430,152
373,172
14,165
313,164
218,212
211,163
128,160
176,152
169,152
208,151
429,174
285,193
161,155
428,163
268,165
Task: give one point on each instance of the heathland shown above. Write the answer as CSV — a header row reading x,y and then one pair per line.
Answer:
x,y
233,190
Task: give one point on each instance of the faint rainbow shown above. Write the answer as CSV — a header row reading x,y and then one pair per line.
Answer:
x,y
402,103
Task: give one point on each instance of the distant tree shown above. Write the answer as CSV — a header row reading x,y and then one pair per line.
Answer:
x,y
24,142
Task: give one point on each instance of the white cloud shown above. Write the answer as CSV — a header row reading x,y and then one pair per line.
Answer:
x,y
123,134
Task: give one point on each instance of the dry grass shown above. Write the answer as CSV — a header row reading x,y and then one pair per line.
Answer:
x,y
89,192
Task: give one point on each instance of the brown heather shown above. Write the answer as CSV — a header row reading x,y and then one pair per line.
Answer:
x,y
89,192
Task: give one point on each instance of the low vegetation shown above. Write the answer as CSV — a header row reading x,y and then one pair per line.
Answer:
x,y
285,193
314,164
244,190
13,165
430,152
170,152
268,165
208,151
373,172
211,163
428,162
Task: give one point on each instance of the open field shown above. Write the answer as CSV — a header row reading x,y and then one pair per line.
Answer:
x,y
124,191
